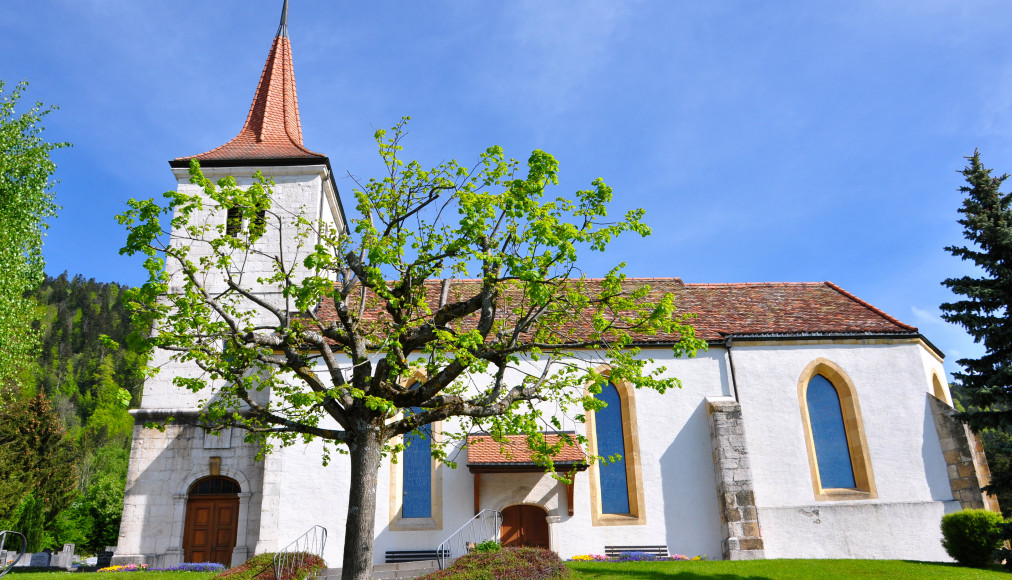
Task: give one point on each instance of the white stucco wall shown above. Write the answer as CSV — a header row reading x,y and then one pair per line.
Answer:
x,y
291,490
675,460
680,503
909,471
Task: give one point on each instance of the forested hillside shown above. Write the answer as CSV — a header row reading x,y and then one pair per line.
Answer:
x,y
83,387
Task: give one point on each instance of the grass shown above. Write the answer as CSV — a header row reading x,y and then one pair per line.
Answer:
x,y
717,570
778,570
113,575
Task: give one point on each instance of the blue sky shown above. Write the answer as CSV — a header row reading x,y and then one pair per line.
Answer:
x,y
767,141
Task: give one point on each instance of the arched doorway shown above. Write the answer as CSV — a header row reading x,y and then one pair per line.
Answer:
x,y
212,515
524,526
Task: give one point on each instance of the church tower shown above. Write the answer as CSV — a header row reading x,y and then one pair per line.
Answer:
x,y
193,496
271,141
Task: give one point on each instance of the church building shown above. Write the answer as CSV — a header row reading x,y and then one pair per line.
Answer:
x,y
814,426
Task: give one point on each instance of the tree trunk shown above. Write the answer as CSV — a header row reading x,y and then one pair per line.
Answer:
x,y
360,527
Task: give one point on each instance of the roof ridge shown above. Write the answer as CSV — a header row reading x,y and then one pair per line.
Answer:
x,y
659,278
870,307
750,284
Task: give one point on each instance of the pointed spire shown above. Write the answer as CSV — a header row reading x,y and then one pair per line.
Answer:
x,y
272,130
283,27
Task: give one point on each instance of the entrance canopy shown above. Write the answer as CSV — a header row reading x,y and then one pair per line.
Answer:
x,y
486,455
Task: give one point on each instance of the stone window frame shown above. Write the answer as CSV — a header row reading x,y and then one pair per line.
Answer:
x,y
857,442
634,474
398,523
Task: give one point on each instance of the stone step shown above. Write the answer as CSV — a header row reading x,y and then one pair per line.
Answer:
x,y
402,570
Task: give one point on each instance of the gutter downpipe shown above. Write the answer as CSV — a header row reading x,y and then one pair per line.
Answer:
x,y
730,360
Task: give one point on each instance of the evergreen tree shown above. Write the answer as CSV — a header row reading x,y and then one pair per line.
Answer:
x,y
986,382
34,445
30,523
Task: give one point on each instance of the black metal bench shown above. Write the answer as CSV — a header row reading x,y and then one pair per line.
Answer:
x,y
398,556
614,551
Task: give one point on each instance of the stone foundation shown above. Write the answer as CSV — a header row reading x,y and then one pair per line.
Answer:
x,y
964,458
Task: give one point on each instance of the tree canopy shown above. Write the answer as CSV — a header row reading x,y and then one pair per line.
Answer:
x,y
26,202
456,294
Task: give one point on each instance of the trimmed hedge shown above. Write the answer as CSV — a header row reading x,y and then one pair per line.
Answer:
x,y
506,564
972,536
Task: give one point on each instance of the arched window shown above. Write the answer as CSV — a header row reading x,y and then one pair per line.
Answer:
x,y
416,485
214,486
616,486
834,433
611,444
829,434
417,488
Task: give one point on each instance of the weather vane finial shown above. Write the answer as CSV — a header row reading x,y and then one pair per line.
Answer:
x,y
283,27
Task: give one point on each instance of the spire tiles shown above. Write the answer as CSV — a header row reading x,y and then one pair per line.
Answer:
x,y
272,131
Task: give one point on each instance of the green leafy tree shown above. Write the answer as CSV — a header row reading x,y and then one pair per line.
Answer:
x,y
527,332
26,202
40,455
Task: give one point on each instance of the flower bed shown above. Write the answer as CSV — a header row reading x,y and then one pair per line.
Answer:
x,y
634,557
125,568
193,567
184,567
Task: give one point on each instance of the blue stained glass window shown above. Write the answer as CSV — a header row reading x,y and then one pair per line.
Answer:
x,y
610,436
831,450
417,459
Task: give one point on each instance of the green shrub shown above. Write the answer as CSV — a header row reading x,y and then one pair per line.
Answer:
x,y
487,546
972,536
261,567
506,564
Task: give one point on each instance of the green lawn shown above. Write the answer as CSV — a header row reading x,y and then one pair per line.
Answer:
x,y
719,570
776,569
110,575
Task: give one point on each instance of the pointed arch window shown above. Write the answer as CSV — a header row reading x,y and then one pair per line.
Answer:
x,y
611,443
417,488
834,432
616,486
416,484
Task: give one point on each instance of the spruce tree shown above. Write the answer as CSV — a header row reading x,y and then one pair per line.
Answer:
x,y
984,306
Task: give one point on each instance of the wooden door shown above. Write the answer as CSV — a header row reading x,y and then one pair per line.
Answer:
x,y
524,526
210,530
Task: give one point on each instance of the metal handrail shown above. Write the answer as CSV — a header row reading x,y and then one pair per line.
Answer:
x,y
293,555
24,546
478,529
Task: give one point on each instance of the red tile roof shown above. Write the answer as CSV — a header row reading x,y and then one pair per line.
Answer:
x,y
778,308
272,129
482,449
764,308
